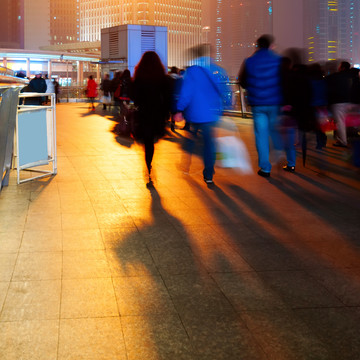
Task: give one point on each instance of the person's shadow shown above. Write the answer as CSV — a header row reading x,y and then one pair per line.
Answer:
x,y
160,283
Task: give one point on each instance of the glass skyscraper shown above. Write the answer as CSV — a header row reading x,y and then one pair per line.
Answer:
x,y
235,26
332,30
65,21
12,24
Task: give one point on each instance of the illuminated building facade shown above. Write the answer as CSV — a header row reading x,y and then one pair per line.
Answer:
x,y
333,30
64,21
235,26
36,24
181,17
24,24
12,24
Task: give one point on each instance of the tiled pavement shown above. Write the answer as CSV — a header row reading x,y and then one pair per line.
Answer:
x,y
94,265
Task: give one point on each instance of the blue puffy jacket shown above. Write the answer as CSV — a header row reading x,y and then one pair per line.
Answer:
x,y
200,98
263,78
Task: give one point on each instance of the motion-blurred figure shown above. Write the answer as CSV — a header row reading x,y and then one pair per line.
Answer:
x,y
37,85
175,80
151,95
91,92
50,86
288,117
122,94
201,104
115,83
57,90
318,102
21,74
260,74
340,85
105,87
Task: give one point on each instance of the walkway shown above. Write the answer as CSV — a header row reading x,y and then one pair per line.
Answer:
x,y
95,266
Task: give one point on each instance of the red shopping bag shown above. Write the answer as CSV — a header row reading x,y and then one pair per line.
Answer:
x,y
352,120
325,122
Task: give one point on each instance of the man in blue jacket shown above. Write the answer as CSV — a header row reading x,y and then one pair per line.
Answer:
x,y
260,75
201,103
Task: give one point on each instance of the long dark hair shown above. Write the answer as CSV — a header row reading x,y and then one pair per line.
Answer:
x,y
126,74
150,67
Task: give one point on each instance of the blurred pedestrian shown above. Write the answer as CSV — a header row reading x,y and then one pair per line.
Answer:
x,y
37,85
21,74
105,87
340,86
355,90
50,86
201,104
57,90
319,102
288,116
114,86
260,75
125,86
122,94
151,95
174,78
178,86
91,92
301,95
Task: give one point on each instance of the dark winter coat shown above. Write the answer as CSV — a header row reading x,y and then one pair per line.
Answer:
x,y
261,77
340,85
38,85
153,100
298,94
106,86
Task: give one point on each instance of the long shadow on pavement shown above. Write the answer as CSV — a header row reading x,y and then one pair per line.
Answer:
x,y
171,308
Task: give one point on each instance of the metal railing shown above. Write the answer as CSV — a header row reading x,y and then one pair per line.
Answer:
x,y
235,98
71,93
6,71
238,99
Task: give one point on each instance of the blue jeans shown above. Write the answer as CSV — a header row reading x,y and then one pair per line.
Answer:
x,y
209,150
289,145
266,126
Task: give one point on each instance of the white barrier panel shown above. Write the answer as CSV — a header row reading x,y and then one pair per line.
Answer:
x,y
36,138
32,138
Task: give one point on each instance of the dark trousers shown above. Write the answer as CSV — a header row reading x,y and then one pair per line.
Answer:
x,y
149,151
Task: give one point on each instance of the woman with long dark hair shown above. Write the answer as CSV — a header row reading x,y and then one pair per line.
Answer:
x,y
152,97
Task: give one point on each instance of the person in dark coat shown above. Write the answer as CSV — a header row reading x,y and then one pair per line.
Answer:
x,y
151,93
355,90
174,78
37,85
105,87
57,90
260,75
318,102
340,90
122,95
115,83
